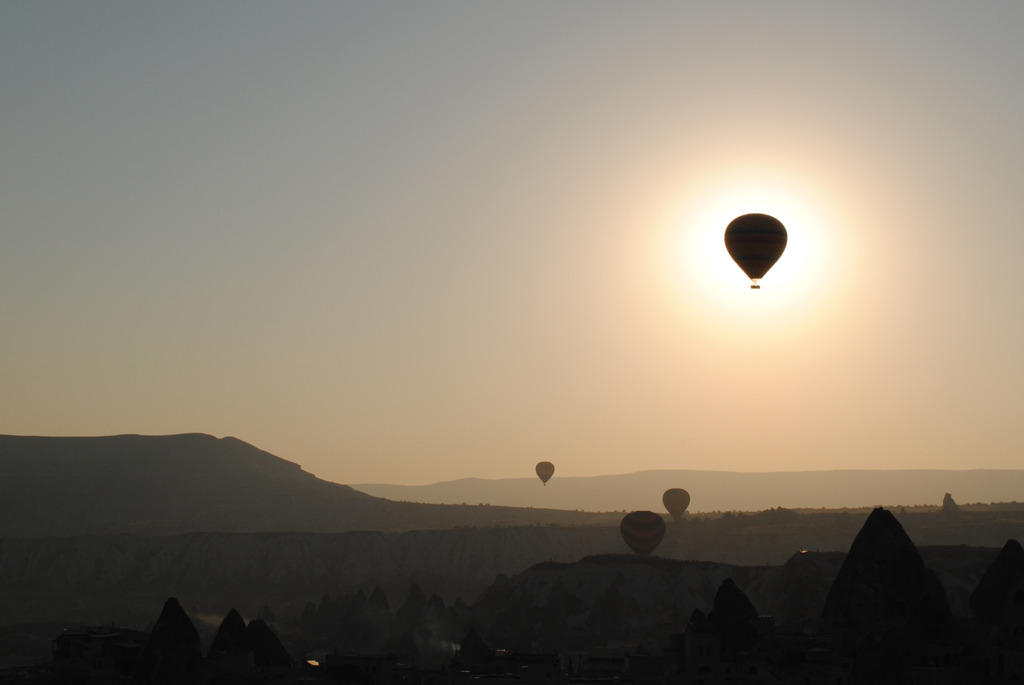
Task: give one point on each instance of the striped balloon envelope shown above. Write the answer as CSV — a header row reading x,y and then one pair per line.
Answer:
x,y
755,242
642,531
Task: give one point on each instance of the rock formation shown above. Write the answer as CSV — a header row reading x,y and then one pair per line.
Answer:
x,y
802,587
231,638
999,598
883,600
268,653
732,617
171,655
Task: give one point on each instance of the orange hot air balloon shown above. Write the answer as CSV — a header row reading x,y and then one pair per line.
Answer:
x,y
545,470
642,531
755,242
676,500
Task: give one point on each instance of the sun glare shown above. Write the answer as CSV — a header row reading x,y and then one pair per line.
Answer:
x,y
708,290
703,265
702,244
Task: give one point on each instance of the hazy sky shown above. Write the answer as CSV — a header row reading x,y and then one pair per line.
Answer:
x,y
413,242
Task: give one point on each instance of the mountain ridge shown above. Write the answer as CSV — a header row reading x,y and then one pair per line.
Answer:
x,y
194,482
723,490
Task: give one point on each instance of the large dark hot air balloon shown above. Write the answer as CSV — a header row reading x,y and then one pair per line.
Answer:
x,y
642,531
545,470
676,500
755,242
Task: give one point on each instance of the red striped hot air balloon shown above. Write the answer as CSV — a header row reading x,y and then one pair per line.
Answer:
x,y
755,242
642,531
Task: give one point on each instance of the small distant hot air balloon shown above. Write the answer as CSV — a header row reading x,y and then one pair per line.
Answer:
x,y
676,500
545,470
642,531
755,242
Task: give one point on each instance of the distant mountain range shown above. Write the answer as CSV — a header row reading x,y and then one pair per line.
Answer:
x,y
722,490
52,486
174,484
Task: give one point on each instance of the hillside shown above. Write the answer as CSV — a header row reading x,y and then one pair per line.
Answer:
x,y
177,484
189,483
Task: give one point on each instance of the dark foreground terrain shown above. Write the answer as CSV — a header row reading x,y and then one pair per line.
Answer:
x,y
100,532
883,612
309,586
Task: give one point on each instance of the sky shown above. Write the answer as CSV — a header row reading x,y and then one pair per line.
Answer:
x,y
416,242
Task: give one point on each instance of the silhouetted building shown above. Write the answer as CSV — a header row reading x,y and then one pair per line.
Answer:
x,y
96,654
696,653
544,668
806,657
361,669
646,668
935,662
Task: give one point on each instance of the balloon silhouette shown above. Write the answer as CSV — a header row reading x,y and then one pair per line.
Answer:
x,y
676,500
755,242
642,531
545,470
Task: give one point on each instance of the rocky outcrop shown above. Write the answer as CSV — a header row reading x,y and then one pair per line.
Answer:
x,y
269,655
621,600
612,599
732,617
121,577
231,639
409,613
883,600
171,655
802,587
472,649
617,600
999,598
